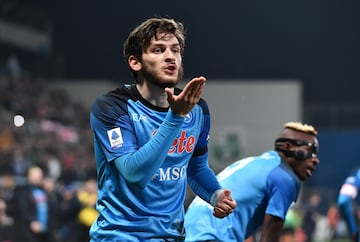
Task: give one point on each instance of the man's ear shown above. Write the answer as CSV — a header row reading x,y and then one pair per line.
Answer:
x,y
134,63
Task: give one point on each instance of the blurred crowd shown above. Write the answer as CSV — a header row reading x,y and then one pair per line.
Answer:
x,y
42,210
47,171
55,132
314,221
43,129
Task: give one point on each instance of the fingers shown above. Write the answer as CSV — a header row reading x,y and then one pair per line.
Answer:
x,y
193,89
225,205
220,213
227,199
188,98
227,194
226,210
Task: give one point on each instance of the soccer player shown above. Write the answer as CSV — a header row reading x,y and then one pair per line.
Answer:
x,y
347,195
264,187
150,138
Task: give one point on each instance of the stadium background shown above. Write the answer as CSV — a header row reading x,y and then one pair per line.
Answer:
x,y
315,43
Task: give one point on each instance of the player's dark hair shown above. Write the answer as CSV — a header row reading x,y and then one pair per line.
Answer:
x,y
140,38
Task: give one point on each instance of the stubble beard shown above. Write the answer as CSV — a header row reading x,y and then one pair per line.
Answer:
x,y
154,79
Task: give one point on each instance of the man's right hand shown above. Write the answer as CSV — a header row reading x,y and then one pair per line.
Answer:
x,y
188,98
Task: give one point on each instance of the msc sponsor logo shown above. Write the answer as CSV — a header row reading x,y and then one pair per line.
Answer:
x,y
169,174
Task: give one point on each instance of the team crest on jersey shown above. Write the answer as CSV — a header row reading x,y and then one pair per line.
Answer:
x,y
115,137
188,118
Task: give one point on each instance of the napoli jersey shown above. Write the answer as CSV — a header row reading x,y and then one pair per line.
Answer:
x,y
351,185
347,194
122,122
260,185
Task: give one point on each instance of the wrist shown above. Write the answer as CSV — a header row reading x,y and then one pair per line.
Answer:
x,y
215,197
183,115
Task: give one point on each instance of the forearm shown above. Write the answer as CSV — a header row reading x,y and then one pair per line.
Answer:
x,y
201,178
138,167
346,211
272,228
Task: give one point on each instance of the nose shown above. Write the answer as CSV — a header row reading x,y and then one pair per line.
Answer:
x,y
169,55
315,159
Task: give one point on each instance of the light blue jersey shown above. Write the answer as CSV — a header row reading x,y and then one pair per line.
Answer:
x,y
150,210
347,194
260,185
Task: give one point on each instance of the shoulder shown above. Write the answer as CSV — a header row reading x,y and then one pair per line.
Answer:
x,y
353,178
202,103
284,173
280,173
117,95
284,179
114,100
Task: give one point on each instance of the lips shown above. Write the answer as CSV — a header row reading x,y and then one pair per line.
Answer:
x,y
170,69
309,171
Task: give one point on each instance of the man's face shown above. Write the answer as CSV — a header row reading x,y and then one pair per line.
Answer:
x,y
162,61
305,168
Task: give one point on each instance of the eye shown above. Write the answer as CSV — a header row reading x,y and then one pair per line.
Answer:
x,y
157,50
176,49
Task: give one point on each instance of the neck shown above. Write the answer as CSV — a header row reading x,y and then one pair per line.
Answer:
x,y
153,94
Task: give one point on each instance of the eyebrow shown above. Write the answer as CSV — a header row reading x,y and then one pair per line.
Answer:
x,y
163,44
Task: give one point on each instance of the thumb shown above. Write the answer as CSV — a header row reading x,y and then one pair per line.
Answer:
x,y
169,93
227,194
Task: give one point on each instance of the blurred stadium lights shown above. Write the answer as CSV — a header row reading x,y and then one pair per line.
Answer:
x,y
19,120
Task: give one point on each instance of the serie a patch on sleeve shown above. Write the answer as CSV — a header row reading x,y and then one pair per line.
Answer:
x,y
115,138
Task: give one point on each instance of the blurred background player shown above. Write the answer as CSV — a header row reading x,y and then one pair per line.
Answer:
x,y
347,195
264,187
